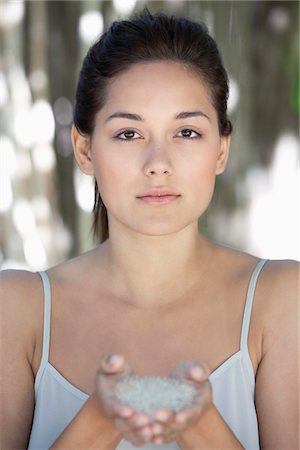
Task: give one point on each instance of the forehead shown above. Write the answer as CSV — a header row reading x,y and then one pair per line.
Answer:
x,y
164,81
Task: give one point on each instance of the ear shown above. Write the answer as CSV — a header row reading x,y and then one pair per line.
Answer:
x,y
223,154
82,151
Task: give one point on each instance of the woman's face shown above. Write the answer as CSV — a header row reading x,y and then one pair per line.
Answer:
x,y
156,149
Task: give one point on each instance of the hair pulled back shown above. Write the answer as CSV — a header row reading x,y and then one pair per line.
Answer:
x,y
146,38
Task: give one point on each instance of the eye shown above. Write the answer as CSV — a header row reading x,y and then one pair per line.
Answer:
x,y
188,133
128,135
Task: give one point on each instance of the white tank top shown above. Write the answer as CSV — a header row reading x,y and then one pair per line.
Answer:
x,y
57,401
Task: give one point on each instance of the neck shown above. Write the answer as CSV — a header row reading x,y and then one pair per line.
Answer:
x,y
153,271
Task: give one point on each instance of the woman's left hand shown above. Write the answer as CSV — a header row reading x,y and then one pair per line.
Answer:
x,y
169,425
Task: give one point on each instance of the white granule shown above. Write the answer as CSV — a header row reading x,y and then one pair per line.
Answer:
x,y
147,394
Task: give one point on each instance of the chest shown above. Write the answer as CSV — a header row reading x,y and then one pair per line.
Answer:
x,y
153,342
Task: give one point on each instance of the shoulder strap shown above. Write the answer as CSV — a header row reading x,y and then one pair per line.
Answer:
x,y
47,318
249,302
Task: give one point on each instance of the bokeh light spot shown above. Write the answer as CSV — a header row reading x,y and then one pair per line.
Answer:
x,y
90,26
234,95
84,190
3,89
43,158
124,6
11,12
63,111
38,80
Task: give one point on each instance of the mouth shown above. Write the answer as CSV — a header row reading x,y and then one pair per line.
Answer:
x,y
159,197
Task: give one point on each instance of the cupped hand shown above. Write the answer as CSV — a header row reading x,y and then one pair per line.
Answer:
x,y
169,425
134,426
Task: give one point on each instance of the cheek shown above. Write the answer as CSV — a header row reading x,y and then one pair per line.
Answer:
x,y
201,181
110,177
202,170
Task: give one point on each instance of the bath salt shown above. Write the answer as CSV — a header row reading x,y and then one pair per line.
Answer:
x,y
149,393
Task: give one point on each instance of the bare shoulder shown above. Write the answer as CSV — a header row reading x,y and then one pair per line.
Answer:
x,y
279,285
278,293
277,381
18,287
14,279
21,318
278,278
282,276
21,307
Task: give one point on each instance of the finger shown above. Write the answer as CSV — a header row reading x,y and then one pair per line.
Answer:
x,y
111,363
138,437
138,427
165,425
141,434
113,368
157,429
109,402
146,433
196,371
164,415
190,415
199,373
172,430
133,439
123,411
139,420
158,440
163,419
204,393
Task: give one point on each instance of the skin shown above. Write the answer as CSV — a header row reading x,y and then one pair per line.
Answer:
x,y
154,292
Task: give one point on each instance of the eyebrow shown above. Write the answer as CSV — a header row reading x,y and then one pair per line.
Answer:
x,y
187,114
124,115
131,116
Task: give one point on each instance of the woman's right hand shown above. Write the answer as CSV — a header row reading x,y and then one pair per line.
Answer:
x,y
134,426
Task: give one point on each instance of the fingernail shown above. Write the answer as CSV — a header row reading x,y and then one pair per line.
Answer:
x,y
161,415
141,421
125,412
157,429
112,359
146,434
197,372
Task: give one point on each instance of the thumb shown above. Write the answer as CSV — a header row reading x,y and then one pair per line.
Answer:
x,y
114,364
196,371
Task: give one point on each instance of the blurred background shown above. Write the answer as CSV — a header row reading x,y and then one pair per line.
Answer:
x,y
45,202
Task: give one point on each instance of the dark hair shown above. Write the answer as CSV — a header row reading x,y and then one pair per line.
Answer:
x,y
146,38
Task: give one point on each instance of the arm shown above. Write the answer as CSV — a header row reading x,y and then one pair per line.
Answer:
x,y
89,429
277,382
17,347
211,432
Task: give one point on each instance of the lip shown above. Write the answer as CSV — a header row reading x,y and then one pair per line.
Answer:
x,y
159,196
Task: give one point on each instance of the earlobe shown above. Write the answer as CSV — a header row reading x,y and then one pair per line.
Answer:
x,y
223,155
82,151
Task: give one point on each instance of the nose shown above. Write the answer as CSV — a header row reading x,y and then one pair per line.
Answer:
x,y
157,161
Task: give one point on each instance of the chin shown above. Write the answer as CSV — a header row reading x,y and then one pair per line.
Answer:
x,y
162,229
155,226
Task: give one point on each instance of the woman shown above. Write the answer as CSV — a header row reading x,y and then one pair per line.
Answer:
x,y
155,297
